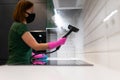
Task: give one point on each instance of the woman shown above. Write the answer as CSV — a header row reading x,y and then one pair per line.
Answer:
x,y
20,41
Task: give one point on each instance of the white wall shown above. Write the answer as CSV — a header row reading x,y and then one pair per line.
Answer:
x,y
101,39
69,49
78,38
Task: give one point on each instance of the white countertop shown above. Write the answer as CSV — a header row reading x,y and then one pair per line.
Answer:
x,y
57,73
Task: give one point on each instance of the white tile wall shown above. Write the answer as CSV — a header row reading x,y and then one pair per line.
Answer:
x,y
78,39
67,50
101,40
97,41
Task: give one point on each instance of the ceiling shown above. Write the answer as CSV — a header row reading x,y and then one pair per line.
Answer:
x,y
68,4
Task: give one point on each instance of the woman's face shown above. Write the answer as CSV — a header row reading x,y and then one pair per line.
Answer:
x,y
30,11
30,15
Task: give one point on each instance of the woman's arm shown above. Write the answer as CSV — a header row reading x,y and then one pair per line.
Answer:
x,y
30,41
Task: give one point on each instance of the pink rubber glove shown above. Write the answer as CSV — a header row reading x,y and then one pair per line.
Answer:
x,y
55,44
38,55
33,53
36,62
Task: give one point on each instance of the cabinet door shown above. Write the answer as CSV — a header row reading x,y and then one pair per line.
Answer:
x,y
8,1
6,20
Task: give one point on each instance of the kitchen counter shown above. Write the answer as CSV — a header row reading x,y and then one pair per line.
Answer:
x,y
95,72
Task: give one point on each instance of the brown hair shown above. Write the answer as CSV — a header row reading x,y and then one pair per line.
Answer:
x,y
20,10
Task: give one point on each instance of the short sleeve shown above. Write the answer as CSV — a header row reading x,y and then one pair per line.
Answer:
x,y
22,29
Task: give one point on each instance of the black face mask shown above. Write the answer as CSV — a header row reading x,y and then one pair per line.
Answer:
x,y
30,17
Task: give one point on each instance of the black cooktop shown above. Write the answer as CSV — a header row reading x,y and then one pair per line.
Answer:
x,y
67,63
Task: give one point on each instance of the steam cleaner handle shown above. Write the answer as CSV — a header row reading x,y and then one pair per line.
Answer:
x,y
65,36
55,44
60,45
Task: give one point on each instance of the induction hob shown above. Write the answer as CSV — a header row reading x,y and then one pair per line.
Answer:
x,y
67,63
